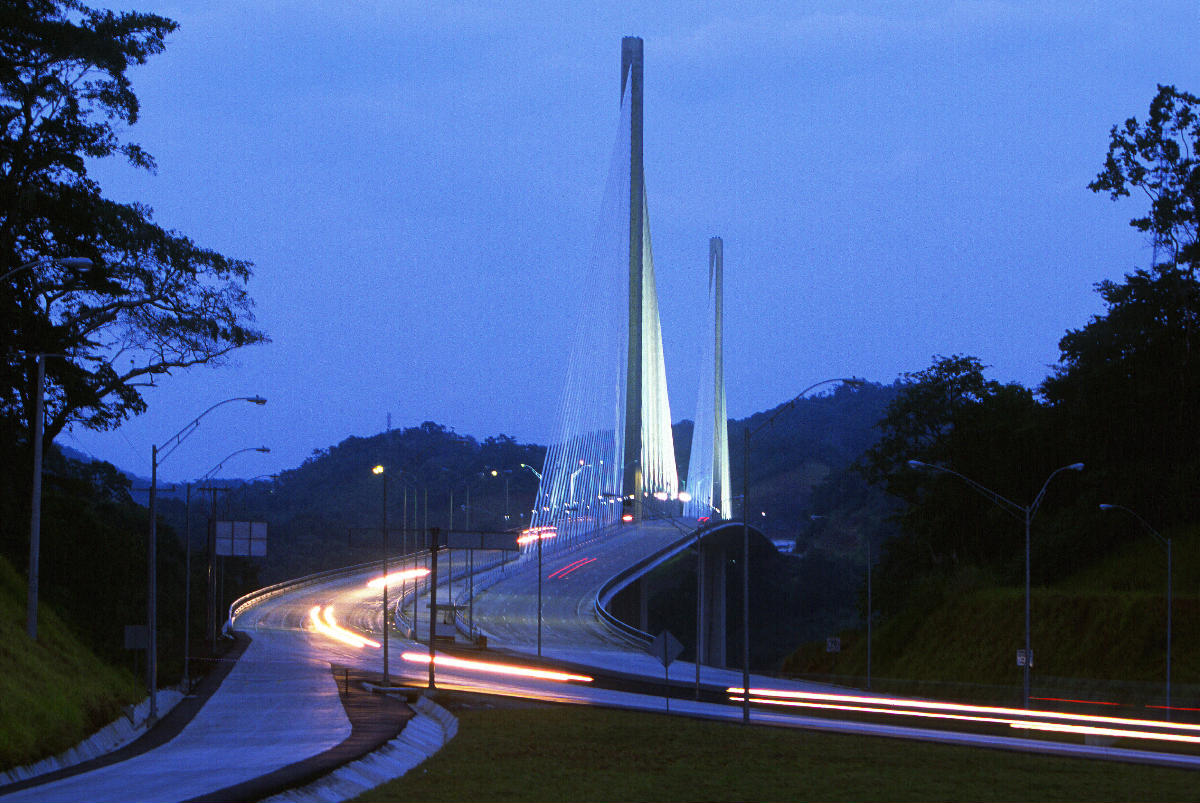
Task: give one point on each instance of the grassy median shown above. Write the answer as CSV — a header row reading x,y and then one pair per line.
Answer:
x,y
567,753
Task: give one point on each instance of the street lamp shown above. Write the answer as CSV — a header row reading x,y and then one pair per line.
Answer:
x,y
35,505
168,446
471,552
187,563
1021,511
856,383
387,681
1167,543
410,484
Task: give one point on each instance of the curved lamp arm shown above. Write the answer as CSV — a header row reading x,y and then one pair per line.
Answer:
x,y
217,467
854,383
180,436
1038,499
1009,505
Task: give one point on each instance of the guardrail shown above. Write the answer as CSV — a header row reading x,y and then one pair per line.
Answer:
x,y
623,578
613,586
268,592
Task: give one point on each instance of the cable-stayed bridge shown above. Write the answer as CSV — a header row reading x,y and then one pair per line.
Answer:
x,y
612,455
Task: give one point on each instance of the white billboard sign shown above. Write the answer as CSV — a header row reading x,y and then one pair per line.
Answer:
x,y
241,538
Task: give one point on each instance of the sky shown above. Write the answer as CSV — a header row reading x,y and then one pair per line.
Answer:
x,y
418,185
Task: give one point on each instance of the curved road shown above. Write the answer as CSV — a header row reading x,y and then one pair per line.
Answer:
x,y
279,704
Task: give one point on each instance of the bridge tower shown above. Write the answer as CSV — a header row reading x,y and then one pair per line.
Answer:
x,y
613,452
708,468
631,78
648,452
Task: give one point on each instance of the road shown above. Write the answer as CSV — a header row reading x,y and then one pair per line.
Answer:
x,y
279,704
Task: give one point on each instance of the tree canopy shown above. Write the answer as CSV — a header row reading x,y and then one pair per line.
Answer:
x,y
154,301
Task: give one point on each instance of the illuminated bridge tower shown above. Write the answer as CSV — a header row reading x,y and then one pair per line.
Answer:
x,y
648,460
708,468
613,451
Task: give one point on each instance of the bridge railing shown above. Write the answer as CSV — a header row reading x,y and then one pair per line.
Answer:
x,y
239,605
624,578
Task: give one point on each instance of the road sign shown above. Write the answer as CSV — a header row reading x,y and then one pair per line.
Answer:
x,y
833,644
245,538
481,540
1021,658
665,648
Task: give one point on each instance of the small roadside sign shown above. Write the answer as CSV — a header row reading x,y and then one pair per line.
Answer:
x,y
1021,659
833,644
665,648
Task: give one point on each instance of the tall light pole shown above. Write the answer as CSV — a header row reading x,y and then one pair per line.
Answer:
x,y
1166,542
38,432
1026,512
168,446
746,532
408,484
187,562
387,625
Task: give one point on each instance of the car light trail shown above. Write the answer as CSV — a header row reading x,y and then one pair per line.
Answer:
x,y
1014,717
396,577
536,534
324,623
1071,700
513,670
570,567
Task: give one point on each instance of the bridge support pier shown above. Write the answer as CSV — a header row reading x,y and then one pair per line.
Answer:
x,y
711,648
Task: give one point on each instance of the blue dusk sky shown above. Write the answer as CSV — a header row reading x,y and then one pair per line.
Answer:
x,y
418,185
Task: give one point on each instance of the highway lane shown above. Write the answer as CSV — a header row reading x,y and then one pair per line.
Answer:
x,y
278,705
507,611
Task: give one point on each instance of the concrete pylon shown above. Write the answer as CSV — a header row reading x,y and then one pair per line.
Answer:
x,y
722,493
632,471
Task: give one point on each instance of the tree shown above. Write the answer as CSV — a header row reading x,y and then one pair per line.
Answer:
x,y
154,301
1159,158
1128,382
951,415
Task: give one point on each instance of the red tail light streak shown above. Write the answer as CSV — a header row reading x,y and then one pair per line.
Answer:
x,y
395,578
1053,721
512,670
324,623
570,567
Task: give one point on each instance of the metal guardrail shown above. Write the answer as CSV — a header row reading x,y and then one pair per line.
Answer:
x,y
639,638
268,592
623,578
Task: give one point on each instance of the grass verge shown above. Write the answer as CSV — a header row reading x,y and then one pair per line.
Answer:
x,y
568,753
53,692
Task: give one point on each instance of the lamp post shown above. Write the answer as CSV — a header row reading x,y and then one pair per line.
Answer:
x,y
168,446
1166,542
39,423
408,484
187,563
1026,512
382,473
471,552
746,532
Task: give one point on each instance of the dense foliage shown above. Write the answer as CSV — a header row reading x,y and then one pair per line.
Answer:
x,y
152,301
1122,401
